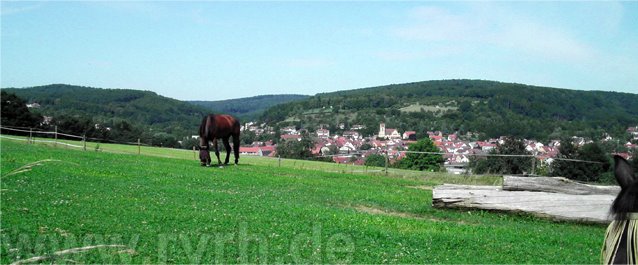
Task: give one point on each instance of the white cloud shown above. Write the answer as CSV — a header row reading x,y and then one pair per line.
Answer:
x,y
10,8
488,25
435,24
535,39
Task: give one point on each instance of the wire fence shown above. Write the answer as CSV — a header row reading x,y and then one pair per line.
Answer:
x,y
86,143
56,138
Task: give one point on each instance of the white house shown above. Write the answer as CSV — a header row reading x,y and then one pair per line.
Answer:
x,y
323,133
352,135
289,130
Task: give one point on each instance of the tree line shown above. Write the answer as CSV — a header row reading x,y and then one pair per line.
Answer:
x,y
591,162
129,110
490,108
16,114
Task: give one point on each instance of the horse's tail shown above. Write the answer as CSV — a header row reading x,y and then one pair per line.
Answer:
x,y
236,126
236,139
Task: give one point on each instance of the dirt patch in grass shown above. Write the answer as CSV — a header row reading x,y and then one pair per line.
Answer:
x,y
379,211
421,187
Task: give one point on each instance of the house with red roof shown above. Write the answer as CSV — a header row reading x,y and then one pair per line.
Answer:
x,y
250,151
486,146
409,135
436,138
268,150
286,137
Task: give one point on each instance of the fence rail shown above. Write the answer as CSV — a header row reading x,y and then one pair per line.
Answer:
x,y
52,137
54,134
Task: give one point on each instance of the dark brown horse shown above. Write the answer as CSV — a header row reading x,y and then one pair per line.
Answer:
x,y
214,127
621,238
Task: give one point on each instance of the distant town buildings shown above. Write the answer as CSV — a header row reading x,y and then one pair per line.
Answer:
x,y
353,148
388,133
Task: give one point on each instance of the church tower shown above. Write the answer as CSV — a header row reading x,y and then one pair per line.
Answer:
x,y
382,130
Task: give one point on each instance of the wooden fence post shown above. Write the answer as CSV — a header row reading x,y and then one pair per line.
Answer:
x,y
279,160
194,153
386,162
30,136
534,165
84,141
55,143
139,147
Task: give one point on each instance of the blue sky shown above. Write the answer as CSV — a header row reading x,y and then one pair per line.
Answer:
x,y
219,50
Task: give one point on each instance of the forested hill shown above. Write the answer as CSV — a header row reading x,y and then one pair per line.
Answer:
x,y
109,106
247,108
488,107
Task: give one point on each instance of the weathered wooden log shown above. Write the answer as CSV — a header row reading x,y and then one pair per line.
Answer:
x,y
557,206
555,185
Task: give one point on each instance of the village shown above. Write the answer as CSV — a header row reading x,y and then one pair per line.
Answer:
x,y
353,148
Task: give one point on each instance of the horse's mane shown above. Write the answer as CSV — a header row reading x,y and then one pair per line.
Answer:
x,y
204,127
621,238
627,200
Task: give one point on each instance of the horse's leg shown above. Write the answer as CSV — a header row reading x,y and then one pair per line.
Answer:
x,y
227,146
236,147
219,162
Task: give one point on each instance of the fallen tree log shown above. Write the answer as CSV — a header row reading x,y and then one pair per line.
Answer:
x,y
557,206
555,185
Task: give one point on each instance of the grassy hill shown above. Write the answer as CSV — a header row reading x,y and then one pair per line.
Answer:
x,y
143,108
247,108
157,210
487,107
492,108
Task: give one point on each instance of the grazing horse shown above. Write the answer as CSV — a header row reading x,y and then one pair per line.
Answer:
x,y
621,238
214,127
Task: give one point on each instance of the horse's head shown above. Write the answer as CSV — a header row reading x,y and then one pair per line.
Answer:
x,y
627,200
204,154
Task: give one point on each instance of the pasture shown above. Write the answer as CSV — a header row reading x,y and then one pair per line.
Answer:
x,y
166,208
429,108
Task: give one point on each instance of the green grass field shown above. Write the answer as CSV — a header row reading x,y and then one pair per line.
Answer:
x,y
165,209
430,108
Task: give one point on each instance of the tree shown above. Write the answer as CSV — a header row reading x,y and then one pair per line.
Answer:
x,y
566,168
599,162
592,165
366,146
189,143
295,149
247,137
420,161
332,150
375,160
15,112
74,125
505,159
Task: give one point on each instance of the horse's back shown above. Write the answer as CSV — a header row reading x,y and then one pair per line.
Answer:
x,y
227,125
